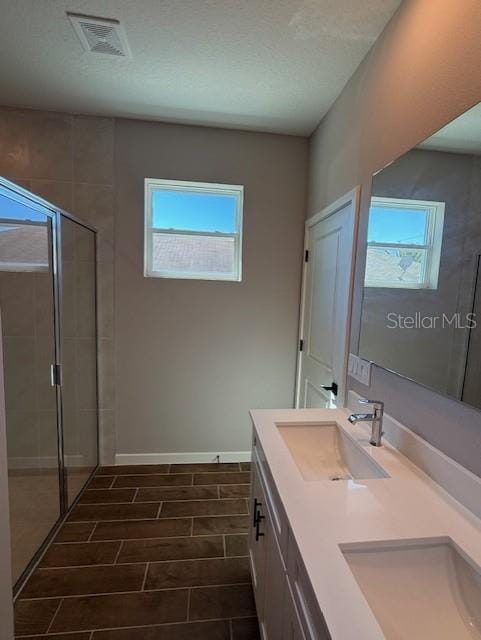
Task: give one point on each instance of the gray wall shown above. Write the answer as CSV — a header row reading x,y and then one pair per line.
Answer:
x,y
422,73
194,356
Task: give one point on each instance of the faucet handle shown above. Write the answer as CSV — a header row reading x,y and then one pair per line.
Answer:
x,y
379,403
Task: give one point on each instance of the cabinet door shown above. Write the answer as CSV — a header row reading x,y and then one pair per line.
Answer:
x,y
275,585
292,628
258,542
307,606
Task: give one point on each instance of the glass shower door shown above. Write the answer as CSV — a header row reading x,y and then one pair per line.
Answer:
x,y
29,350
79,354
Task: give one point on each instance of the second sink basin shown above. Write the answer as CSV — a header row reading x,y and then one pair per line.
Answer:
x,y
419,590
324,451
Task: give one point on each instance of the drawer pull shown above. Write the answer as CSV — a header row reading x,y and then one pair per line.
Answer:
x,y
259,533
256,512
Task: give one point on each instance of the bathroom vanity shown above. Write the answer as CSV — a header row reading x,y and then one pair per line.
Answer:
x,y
354,542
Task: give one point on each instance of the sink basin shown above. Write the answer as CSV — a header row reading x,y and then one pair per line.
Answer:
x,y
324,451
419,590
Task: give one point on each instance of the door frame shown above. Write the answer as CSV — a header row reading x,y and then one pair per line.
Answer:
x,y
352,197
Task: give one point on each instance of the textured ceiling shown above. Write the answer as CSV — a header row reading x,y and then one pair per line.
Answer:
x,y
273,65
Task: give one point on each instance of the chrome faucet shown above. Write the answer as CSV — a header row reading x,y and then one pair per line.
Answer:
x,y
375,418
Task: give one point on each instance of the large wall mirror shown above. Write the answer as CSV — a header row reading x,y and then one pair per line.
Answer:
x,y
421,314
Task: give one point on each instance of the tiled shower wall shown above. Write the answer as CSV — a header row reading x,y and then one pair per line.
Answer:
x,y
27,336
69,161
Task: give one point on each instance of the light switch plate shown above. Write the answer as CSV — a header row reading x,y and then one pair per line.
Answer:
x,y
359,369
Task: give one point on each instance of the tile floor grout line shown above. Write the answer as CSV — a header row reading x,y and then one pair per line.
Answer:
x,y
210,499
118,553
157,473
139,502
128,564
103,504
133,592
61,634
231,629
225,548
215,534
54,615
159,510
95,566
121,564
175,486
213,515
145,576
195,467
188,604
63,544
198,535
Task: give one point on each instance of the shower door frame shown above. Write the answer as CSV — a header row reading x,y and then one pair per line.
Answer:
x,y
55,213
64,500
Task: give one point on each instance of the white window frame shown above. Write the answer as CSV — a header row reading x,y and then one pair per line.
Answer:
x,y
153,184
432,247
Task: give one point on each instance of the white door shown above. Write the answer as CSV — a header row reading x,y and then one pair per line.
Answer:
x,y
326,304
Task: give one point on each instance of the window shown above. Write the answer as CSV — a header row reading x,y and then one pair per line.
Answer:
x,y
404,243
193,230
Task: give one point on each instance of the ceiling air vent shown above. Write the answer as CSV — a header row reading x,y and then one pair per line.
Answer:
x,y
100,35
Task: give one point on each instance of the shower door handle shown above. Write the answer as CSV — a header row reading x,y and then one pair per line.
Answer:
x,y
56,375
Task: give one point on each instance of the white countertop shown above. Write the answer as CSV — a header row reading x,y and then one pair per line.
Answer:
x,y
323,514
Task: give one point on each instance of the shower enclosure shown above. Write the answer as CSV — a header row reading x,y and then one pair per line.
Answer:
x,y
49,339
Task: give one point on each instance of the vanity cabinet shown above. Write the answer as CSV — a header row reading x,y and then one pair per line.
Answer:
x,y
285,601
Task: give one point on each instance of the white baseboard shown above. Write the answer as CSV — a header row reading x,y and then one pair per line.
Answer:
x,y
182,458
459,482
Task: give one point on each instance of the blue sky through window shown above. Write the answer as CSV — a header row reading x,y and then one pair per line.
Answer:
x,y
191,211
398,225
13,210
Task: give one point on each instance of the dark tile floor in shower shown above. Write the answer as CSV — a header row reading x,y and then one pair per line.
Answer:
x,y
151,552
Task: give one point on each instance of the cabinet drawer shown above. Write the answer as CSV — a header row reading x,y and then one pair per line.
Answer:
x,y
312,620
276,509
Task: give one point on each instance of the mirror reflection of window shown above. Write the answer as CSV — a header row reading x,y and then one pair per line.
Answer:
x,y
404,243
24,238
23,246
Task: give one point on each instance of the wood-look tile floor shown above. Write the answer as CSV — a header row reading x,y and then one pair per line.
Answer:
x,y
151,552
